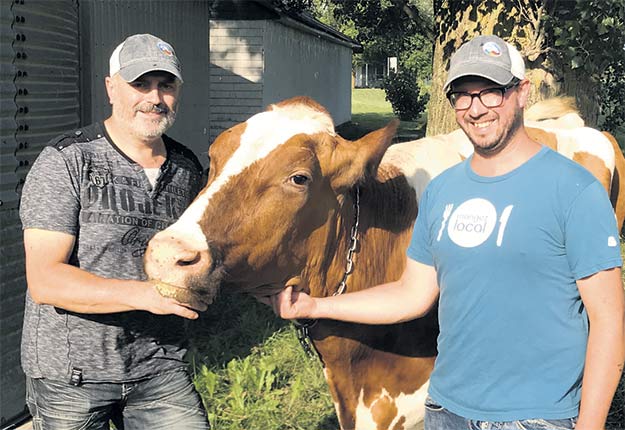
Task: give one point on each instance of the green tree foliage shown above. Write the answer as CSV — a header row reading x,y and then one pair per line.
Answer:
x,y
611,98
325,11
385,28
294,6
389,28
403,92
589,36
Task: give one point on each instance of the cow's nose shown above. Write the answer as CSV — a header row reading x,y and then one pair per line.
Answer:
x,y
172,260
185,258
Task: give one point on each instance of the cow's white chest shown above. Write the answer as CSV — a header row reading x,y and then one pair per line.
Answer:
x,y
411,406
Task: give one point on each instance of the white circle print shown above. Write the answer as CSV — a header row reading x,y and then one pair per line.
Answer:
x,y
472,223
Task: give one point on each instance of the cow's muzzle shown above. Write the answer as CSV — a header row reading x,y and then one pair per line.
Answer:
x,y
185,273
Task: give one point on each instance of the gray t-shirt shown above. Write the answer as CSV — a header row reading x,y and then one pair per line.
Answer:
x,y
83,185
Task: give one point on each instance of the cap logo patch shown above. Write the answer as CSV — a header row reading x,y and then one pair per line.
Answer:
x,y
165,49
491,49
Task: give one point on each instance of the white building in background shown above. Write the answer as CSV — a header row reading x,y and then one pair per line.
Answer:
x,y
371,75
259,54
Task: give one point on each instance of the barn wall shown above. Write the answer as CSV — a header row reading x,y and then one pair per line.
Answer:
x,y
236,72
39,77
258,62
302,63
184,24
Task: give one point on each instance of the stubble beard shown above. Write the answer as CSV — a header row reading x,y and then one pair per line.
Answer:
x,y
148,129
159,126
498,143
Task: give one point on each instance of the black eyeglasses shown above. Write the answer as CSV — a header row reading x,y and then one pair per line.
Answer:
x,y
490,97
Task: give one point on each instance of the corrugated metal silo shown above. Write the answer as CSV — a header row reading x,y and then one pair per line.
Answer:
x,y
39,94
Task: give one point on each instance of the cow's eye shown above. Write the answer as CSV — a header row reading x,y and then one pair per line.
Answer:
x,y
299,179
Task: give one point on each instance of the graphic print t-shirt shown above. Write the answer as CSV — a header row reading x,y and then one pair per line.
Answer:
x,y
508,251
84,186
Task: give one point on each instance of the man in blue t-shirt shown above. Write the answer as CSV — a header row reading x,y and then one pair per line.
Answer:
x,y
519,245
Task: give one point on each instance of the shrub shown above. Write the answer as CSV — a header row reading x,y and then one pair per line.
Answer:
x,y
404,95
611,95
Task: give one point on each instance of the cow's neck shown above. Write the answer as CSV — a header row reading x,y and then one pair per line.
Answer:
x,y
326,264
387,211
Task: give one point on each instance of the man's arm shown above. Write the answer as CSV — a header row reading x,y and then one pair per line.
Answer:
x,y
602,294
408,298
52,281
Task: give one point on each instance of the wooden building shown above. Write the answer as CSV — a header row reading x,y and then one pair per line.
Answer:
x,y
261,54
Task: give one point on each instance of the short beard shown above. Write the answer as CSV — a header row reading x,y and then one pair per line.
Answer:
x,y
161,126
499,145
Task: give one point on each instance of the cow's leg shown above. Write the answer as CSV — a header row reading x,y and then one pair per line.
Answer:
x,y
385,391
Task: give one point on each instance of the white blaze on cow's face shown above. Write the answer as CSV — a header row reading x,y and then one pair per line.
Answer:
x,y
264,132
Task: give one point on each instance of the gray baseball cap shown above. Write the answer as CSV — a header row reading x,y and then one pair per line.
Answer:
x,y
143,53
488,57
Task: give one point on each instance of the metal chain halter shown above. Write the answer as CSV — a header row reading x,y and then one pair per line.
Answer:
x,y
303,326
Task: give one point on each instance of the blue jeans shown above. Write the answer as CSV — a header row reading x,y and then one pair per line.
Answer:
x,y
165,401
439,418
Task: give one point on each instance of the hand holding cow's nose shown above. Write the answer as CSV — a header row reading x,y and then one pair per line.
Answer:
x,y
157,303
291,304
193,299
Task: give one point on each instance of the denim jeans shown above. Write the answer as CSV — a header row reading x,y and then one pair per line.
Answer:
x,y
166,401
439,418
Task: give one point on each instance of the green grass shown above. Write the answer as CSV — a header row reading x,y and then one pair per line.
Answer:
x,y
371,111
370,100
253,374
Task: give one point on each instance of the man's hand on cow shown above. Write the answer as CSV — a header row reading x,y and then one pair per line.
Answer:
x,y
290,304
164,299
194,299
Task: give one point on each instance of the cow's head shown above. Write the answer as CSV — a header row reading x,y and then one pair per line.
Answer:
x,y
275,181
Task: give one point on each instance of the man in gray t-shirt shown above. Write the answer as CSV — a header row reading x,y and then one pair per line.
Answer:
x,y
99,341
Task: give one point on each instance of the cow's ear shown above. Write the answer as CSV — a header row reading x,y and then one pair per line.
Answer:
x,y
353,160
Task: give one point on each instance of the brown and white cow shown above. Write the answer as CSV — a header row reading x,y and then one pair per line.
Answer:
x,y
279,208
556,123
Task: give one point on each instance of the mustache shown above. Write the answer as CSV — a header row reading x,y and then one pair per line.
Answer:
x,y
149,108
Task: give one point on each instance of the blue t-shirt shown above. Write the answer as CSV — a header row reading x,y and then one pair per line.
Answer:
x,y
508,251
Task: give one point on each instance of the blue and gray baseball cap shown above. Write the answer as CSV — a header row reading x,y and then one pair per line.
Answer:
x,y
488,57
143,53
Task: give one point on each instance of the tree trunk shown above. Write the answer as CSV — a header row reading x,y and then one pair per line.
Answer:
x,y
519,23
